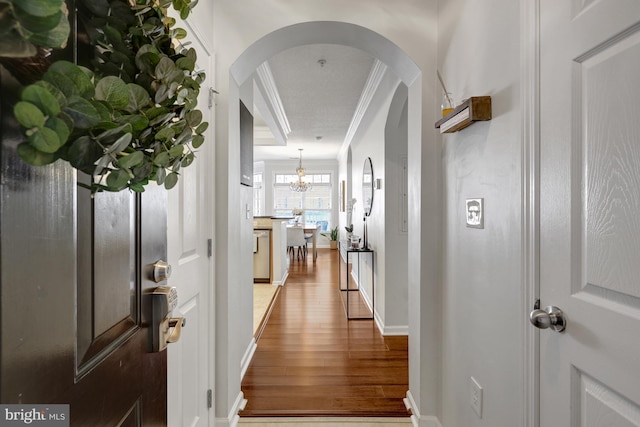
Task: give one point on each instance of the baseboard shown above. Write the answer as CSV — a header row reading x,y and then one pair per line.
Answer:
x,y
248,355
417,419
283,279
365,296
233,418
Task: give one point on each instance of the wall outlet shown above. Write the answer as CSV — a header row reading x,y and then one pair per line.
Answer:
x,y
476,397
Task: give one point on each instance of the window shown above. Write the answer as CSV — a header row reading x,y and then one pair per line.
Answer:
x,y
316,202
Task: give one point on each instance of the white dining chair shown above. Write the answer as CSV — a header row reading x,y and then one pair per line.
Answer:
x,y
296,239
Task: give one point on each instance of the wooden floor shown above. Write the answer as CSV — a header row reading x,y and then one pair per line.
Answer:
x,y
311,361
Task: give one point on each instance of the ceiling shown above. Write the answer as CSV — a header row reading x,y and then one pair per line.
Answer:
x,y
319,88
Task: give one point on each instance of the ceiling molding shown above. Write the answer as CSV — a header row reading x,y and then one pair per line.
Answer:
x,y
370,87
272,97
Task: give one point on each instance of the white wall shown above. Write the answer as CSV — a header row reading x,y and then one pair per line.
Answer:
x,y
382,138
394,187
478,54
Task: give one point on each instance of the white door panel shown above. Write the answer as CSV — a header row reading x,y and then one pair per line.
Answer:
x,y
190,227
589,204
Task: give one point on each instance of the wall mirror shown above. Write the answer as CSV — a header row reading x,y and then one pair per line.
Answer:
x,y
367,186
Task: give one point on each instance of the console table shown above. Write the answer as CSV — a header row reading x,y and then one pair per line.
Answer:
x,y
346,246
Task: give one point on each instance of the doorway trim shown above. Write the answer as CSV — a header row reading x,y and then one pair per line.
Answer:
x,y
423,180
530,227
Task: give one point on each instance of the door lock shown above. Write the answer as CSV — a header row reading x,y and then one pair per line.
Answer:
x,y
551,317
161,271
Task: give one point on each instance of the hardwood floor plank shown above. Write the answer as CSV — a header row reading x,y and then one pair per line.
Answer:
x,y
312,361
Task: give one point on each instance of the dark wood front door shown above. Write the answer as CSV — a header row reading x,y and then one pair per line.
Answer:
x,y
75,278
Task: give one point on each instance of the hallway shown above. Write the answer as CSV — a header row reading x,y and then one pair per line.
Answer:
x,y
311,361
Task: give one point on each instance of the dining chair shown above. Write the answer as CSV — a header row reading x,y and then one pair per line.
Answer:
x,y
296,239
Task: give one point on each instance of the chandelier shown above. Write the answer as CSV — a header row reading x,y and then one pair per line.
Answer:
x,y
299,185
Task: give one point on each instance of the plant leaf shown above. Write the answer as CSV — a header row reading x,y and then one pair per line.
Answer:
x,y
186,63
79,78
162,159
165,134
114,91
188,159
55,37
60,128
147,57
197,141
34,157
41,98
41,7
202,128
129,161
61,82
193,118
106,136
83,113
176,151
28,115
83,154
138,98
37,24
120,144
137,122
117,180
161,174
164,68
57,94
171,180
45,140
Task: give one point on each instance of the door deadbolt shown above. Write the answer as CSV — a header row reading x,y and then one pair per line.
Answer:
x,y
161,271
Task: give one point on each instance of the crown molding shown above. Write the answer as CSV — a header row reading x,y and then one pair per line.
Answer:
x,y
370,88
271,96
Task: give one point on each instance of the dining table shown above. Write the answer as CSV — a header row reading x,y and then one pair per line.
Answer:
x,y
313,229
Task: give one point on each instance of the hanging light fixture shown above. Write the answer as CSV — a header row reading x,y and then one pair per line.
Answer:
x,y
299,185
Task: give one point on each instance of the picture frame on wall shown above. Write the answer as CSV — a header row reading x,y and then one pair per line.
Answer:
x,y
246,146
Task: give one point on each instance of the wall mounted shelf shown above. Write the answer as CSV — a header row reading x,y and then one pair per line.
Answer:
x,y
476,108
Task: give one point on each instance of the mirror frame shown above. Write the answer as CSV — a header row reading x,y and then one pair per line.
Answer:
x,y
367,186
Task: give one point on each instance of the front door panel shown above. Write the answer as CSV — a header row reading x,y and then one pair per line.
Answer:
x,y
75,281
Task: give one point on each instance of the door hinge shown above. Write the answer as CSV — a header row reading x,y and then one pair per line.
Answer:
x,y
209,399
209,248
212,92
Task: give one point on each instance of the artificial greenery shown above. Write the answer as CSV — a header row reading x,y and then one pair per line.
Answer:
x,y
128,118
27,24
333,235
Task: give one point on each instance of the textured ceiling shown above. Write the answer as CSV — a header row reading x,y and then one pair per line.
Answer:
x,y
319,86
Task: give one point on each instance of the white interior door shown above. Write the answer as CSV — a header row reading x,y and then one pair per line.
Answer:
x,y
589,210
190,226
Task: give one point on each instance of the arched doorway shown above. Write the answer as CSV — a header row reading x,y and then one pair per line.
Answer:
x,y
236,231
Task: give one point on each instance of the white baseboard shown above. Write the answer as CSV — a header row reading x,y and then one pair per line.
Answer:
x,y
248,355
233,418
283,280
417,419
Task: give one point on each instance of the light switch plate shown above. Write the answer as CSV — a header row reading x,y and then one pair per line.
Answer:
x,y
474,213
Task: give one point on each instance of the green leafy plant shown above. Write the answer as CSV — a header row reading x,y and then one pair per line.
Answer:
x,y
129,119
333,235
27,24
